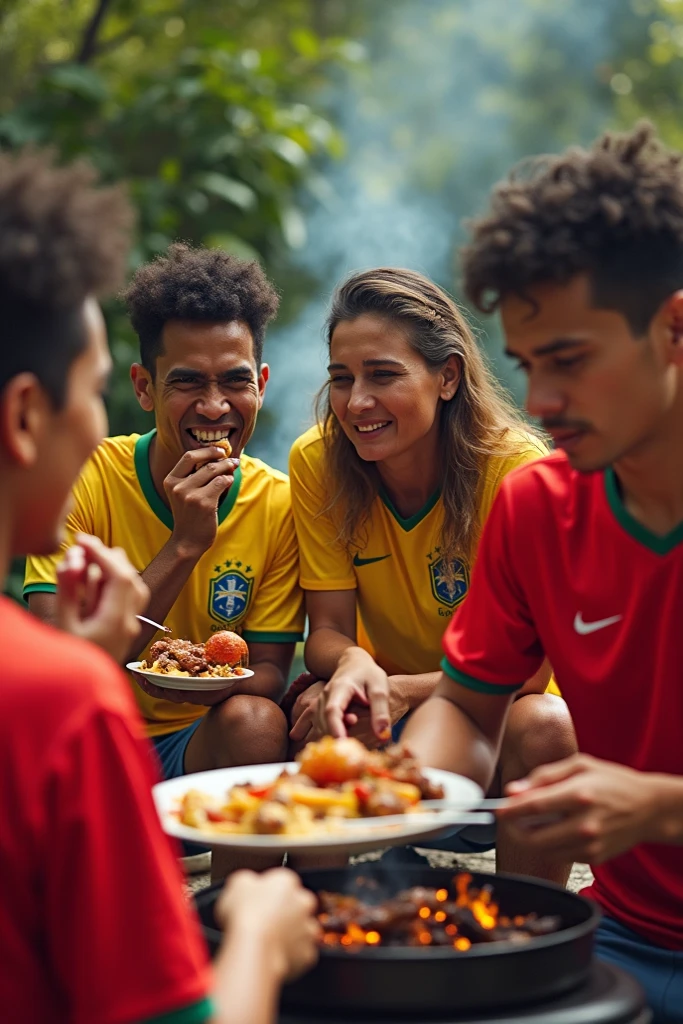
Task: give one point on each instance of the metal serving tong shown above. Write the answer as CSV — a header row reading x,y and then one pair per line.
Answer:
x,y
477,816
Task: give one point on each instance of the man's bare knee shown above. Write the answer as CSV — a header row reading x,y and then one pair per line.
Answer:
x,y
539,730
254,727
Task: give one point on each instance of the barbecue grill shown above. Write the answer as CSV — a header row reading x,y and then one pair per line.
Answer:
x,y
552,978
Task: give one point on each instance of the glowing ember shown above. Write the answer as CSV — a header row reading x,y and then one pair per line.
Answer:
x,y
457,918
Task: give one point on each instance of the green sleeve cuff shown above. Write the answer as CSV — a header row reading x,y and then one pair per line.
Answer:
x,y
499,689
40,588
255,636
196,1013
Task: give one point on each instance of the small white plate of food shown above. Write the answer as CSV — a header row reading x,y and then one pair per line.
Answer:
x,y
310,803
182,665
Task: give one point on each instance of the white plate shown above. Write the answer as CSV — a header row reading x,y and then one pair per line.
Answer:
x,y
168,682
460,792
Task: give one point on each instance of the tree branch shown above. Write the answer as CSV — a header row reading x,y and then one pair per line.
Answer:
x,y
88,45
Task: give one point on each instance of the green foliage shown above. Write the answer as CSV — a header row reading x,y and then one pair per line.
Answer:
x,y
212,113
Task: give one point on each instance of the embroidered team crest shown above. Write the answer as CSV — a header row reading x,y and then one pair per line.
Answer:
x,y
229,595
450,581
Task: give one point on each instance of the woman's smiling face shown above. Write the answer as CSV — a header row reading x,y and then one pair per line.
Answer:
x,y
382,391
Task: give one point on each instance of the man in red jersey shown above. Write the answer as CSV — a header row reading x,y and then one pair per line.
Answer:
x,y
93,922
581,560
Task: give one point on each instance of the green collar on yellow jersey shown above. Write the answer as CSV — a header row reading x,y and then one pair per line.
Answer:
x,y
412,521
161,511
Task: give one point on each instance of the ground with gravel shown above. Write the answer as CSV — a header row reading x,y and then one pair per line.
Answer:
x,y
580,876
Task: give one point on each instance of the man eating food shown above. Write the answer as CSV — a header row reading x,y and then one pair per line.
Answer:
x,y
208,527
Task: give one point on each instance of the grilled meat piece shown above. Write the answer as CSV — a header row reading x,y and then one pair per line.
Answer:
x,y
182,654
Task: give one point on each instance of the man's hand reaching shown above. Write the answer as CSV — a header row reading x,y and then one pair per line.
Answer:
x,y
99,594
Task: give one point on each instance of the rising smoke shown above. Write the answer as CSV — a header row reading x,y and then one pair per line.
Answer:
x,y
453,92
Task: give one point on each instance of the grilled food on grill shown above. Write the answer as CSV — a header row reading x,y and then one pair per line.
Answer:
x,y
427,917
223,655
336,779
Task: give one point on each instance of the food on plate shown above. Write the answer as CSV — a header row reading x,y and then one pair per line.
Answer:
x,y
336,778
225,445
226,648
458,917
223,655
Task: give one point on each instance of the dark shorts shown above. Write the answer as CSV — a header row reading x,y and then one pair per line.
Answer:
x,y
659,970
171,754
171,749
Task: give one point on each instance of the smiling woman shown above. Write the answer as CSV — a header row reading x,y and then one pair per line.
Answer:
x,y
391,489
390,492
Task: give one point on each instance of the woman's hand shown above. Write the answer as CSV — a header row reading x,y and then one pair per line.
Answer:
x,y
360,680
99,595
275,910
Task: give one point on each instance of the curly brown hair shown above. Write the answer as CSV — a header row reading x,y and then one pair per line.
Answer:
x,y
613,211
61,240
206,285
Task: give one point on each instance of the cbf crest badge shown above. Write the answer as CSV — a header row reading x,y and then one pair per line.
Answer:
x,y
230,592
450,580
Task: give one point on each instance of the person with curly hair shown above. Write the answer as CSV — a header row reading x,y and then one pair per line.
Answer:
x,y
581,559
213,537
94,925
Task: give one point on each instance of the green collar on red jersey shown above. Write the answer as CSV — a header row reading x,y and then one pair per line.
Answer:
x,y
408,524
162,511
660,545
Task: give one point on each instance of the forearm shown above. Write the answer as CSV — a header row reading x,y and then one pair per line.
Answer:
x,y
166,575
442,735
412,691
667,803
324,650
247,982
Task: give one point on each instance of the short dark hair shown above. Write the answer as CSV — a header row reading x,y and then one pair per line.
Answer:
x,y
61,241
207,285
613,211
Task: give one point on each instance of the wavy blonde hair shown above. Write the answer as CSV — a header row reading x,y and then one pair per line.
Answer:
x,y
478,423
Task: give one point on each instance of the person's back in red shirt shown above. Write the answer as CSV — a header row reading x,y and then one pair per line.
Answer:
x,y
93,926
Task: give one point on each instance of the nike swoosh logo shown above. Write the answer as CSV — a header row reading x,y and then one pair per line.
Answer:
x,y
583,628
368,561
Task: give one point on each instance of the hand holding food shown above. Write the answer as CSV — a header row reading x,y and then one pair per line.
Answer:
x,y
277,906
99,595
194,488
336,779
225,656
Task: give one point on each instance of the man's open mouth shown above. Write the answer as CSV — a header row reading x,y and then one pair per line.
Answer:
x,y
208,437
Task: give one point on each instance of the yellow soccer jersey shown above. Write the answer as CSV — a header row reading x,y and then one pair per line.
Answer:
x,y
404,596
246,582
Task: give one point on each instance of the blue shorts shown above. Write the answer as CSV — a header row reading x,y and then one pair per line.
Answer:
x,y
171,749
466,838
659,970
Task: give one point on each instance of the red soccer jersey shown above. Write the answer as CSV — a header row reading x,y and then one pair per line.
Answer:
x,y
564,571
93,923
